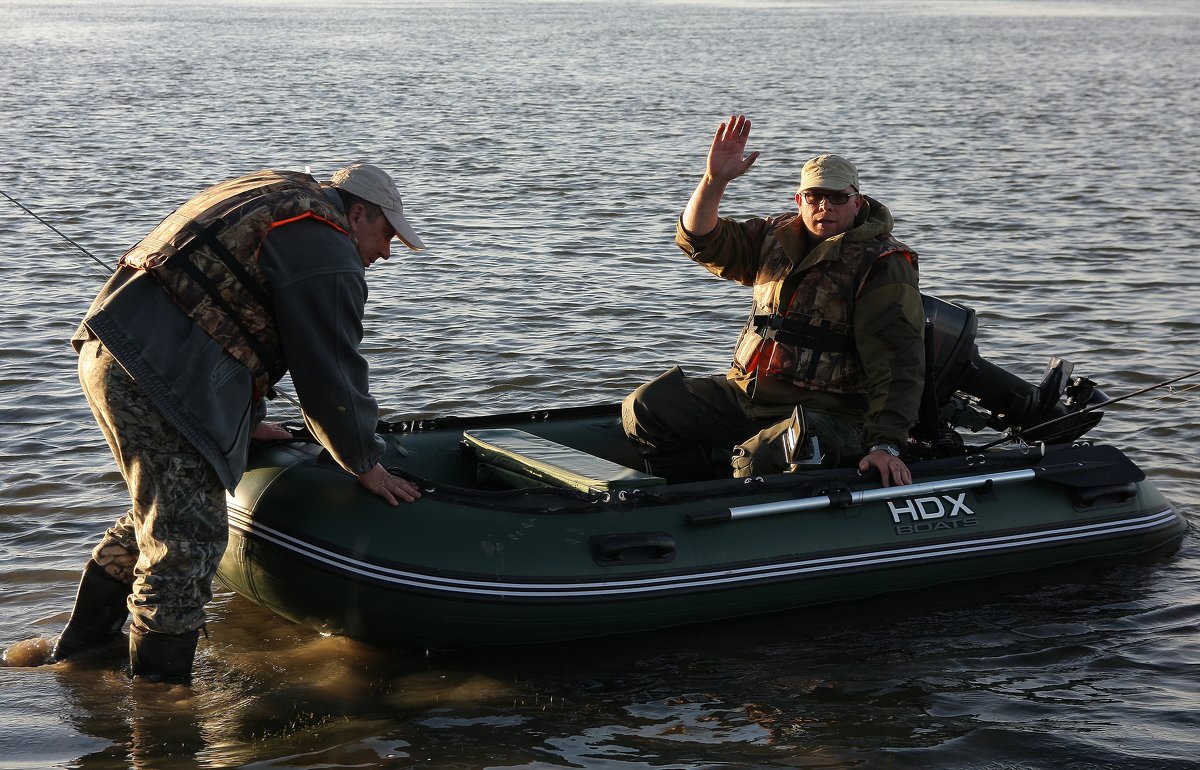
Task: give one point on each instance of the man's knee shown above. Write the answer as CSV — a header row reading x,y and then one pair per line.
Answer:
x,y
664,390
649,408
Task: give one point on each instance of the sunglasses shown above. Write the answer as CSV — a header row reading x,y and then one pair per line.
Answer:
x,y
814,197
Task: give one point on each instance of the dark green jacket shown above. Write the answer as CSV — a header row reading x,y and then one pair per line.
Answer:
x,y
886,320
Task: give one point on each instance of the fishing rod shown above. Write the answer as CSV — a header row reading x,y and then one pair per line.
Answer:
x,y
1089,408
98,261
60,234
997,442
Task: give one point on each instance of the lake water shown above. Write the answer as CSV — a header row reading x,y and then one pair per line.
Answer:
x,y
1043,158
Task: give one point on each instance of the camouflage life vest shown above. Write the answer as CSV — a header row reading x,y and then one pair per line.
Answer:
x,y
206,253
807,340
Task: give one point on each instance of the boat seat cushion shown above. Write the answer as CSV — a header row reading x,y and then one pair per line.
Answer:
x,y
541,460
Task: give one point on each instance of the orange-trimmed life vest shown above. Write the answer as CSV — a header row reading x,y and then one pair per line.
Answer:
x,y
205,254
807,340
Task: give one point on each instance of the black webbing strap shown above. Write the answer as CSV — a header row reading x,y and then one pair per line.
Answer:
x,y
801,334
208,237
181,259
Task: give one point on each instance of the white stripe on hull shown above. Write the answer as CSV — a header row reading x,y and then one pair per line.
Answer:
x,y
742,577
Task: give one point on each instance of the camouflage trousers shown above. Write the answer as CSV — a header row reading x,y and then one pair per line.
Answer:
x,y
167,546
686,427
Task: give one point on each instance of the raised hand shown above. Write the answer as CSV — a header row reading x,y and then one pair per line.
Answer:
x,y
726,158
726,161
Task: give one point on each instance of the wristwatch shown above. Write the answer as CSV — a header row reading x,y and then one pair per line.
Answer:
x,y
888,447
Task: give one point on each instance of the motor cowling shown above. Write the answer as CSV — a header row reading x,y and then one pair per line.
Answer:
x,y
965,390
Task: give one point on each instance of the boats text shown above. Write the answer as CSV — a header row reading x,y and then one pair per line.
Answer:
x,y
926,514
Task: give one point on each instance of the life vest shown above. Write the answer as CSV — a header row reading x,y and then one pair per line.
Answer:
x,y
205,254
807,340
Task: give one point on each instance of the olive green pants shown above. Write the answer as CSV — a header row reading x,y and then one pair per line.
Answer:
x,y
687,427
167,546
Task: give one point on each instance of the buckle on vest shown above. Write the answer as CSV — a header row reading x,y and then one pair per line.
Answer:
x,y
767,325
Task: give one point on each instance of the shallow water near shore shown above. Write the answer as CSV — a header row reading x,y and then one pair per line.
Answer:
x,y
1043,159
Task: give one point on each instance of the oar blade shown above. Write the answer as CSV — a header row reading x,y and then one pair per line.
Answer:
x,y
1088,466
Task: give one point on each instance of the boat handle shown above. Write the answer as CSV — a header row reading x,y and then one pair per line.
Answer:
x,y
633,548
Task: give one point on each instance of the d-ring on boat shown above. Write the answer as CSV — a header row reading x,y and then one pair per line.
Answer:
x,y
538,526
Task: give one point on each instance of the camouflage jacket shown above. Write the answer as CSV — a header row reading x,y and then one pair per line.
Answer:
x,y
837,326
318,296
205,254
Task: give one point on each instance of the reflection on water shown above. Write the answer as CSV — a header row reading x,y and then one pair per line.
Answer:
x,y
1042,158
828,687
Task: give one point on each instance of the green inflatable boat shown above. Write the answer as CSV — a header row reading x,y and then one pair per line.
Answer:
x,y
540,526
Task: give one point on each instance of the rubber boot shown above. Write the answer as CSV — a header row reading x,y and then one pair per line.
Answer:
x,y
99,613
162,657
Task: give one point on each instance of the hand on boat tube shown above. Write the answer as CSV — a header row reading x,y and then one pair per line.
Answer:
x,y
391,488
270,431
892,470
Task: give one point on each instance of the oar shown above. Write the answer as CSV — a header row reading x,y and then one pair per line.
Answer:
x,y
1077,467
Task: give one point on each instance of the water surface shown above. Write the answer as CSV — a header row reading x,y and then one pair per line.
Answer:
x,y
1042,157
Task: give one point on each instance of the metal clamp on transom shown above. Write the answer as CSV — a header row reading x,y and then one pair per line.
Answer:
x,y
522,458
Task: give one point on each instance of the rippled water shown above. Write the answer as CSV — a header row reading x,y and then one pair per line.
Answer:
x,y
1042,157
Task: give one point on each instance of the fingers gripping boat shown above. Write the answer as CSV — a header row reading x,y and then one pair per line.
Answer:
x,y
538,526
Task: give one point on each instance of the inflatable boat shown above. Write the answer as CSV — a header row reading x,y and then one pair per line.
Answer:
x,y
542,526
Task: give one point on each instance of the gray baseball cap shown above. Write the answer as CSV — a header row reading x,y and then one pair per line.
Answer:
x,y
373,184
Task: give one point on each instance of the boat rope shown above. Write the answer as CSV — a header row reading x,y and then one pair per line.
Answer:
x,y
58,232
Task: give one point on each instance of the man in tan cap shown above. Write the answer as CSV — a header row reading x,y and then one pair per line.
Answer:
x,y
372,184
254,277
837,329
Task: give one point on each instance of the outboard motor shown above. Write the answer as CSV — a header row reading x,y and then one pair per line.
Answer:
x,y
964,390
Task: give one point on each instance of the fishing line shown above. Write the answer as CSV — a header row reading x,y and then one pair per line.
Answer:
x,y
1016,435
99,262
1172,406
284,395
1176,398
60,234
1139,391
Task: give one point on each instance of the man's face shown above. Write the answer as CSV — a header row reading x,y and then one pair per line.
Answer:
x,y
824,217
372,237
